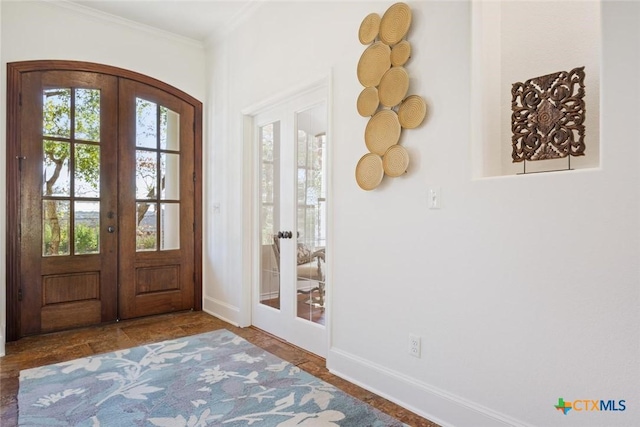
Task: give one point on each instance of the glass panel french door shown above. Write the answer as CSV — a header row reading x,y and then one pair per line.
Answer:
x,y
156,202
290,241
69,199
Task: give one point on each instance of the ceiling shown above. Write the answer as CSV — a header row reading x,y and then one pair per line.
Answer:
x,y
196,19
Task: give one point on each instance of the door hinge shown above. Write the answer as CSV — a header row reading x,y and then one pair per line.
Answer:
x,y
194,226
194,127
20,294
194,277
194,177
20,159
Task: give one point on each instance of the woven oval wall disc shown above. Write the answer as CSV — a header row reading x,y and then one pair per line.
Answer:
x,y
412,111
395,161
382,131
374,62
393,87
369,28
400,53
369,171
368,101
395,23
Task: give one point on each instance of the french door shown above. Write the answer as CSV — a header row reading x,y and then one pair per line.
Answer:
x,y
68,200
105,204
290,292
156,182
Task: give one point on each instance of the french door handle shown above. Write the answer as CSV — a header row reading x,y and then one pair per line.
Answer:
x,y
111,229
285,234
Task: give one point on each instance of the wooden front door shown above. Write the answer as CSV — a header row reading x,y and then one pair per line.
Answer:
x,y
157,179
105,180
68,257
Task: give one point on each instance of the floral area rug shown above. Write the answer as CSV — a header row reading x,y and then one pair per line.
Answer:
x,y
211,379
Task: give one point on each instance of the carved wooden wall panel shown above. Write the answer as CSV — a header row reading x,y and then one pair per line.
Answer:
x,y
548,114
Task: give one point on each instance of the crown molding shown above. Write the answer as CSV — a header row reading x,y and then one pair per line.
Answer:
x,y
241,16
108,17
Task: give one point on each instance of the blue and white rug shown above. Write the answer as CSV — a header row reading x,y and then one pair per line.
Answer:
x,y
211,379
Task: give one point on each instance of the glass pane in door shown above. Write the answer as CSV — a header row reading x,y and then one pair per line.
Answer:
x,y
55,227
56,111
269,141
87,171
169,129
55,167
147,230
170,226
86,227
146,174
87,117
146,123
170,176
311,213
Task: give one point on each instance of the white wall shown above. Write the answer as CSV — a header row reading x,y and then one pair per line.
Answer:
x,y
44,30
524,289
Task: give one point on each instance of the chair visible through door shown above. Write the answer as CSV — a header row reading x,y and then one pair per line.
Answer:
x,y
309,271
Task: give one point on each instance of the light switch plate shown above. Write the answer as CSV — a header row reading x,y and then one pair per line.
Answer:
x,y
434,198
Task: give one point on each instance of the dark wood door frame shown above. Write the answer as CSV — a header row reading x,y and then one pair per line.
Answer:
x,y
14,100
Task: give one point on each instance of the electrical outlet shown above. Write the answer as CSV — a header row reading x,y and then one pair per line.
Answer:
x,y
414,345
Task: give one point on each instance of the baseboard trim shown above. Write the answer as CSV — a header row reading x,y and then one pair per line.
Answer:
x,y
221,310
269,295
428,401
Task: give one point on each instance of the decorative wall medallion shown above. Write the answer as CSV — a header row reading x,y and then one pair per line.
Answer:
x,y
400,53
374,62
384,99
369,28
412,111
547,118
368,101
393,86
395,161
382,131
395,23
369,171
